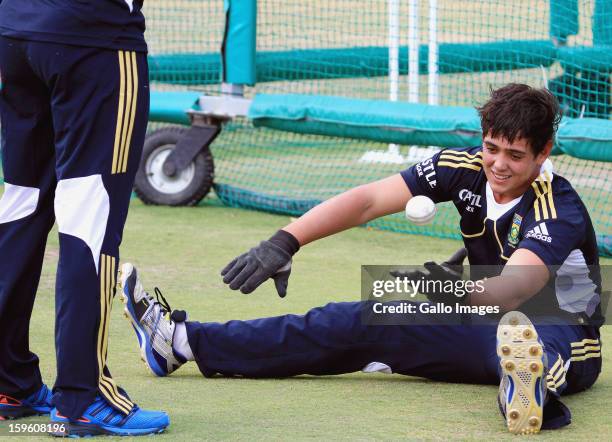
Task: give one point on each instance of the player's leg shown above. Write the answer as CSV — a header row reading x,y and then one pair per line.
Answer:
x,y
26,216
327,340
573,365
523,367
574,357
336,339
539,363
100,109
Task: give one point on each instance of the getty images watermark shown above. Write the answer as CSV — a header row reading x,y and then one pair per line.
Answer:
x,y
404,286
434,296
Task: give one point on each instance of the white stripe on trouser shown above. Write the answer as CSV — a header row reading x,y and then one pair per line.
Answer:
x,y
81,209
17,202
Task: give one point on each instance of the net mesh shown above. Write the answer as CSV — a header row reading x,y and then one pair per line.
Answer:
x,y
314,47
340,47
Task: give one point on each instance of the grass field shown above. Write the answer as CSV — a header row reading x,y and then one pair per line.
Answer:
x,y
182,251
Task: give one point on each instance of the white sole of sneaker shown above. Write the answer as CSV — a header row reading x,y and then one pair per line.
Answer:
x,y
521,359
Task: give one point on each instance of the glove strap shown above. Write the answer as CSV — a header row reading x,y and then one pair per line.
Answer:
x,y
286,241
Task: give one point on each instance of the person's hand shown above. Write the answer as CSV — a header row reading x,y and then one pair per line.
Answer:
x,y
449,270
270,259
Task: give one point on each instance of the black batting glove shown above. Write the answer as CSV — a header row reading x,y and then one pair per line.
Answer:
x,y
449,270
270,259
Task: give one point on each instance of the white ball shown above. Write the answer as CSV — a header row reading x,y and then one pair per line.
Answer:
x,y
420,210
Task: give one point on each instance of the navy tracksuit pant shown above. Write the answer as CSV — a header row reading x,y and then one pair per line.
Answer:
x,y
73,125
335,339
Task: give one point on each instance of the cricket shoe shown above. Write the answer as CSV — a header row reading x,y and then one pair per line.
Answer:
x,y
522,389
153,323
102,419
34,405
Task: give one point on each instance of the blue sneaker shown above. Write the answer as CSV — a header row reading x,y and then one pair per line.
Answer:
x,y
153,323
102,419
34,405
522,390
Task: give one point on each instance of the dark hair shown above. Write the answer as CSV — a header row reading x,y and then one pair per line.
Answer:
x,y
520,111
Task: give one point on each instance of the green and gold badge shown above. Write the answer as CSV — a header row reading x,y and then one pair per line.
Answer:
x,y
513,236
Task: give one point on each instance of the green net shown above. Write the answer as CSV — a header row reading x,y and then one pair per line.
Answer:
x,y
341,48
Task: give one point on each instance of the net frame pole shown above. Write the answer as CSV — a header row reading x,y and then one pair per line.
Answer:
x,y
392,155
394,44
433,76
413,51
393,6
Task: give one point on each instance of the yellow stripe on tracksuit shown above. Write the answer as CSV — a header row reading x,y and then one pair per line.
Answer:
x,y
556,375
544,205
107,386
126,111
585,349
458,159
461,153
581,350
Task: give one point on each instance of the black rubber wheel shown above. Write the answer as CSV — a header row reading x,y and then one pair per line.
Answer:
x,y
187,188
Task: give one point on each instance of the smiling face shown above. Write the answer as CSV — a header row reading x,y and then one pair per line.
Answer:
x,y
510,168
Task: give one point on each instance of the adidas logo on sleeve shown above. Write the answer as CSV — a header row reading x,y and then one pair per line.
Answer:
x,y
539,232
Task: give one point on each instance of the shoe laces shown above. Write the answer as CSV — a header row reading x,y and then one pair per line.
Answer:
x,y
161,301
166,310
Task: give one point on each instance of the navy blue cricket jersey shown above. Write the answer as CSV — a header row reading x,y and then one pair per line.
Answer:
x,y
550,219
109,24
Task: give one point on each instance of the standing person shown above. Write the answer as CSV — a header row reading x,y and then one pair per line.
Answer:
x,y
74,107
516,216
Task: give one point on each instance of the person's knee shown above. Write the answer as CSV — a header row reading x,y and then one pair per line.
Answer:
x,y
18,202
82,209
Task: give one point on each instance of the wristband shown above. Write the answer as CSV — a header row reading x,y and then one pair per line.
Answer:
x,y
285,241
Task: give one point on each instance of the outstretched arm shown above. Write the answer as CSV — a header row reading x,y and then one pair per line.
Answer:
x,y
272,258
351,208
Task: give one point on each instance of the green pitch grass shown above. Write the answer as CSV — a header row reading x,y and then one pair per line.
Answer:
x,y
182,251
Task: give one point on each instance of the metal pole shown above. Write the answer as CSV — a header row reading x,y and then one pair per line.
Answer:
x,y
394,35
413,51
393,49
432,62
